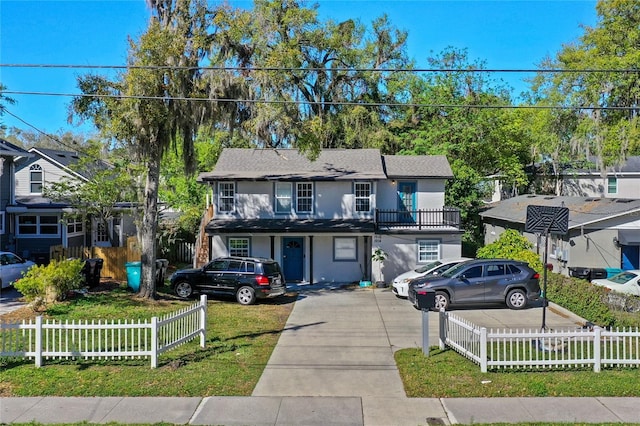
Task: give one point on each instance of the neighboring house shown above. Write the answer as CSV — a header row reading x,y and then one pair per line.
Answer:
x,y
603,232
622,181
8,155
40,223
323,219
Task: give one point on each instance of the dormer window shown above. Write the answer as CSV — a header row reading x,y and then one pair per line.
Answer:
x,y
35,179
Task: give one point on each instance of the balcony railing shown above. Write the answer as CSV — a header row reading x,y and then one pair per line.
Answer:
x,y
447,217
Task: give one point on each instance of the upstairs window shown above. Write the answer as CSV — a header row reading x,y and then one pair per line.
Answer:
x,y
362,192
226,196
612,185
35,179
283,197
304,197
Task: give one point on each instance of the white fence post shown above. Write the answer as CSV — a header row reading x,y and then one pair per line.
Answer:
x,y
483,350
597,342
203,320
154,342
442,339
38,348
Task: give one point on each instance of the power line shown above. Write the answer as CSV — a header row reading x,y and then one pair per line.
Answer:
x,y
341,69
332,103
53,138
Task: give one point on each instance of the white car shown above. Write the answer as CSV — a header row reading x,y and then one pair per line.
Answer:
x,y
12,267
401,282
627,282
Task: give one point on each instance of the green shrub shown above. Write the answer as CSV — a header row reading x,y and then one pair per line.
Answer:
x,y
511,245
44,284
580,297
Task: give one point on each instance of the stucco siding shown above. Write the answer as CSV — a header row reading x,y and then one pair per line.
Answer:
x,y
326,269
402,252
50,173
628,186
331,200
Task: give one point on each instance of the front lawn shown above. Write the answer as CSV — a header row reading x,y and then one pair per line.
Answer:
x,y
446,374
240,340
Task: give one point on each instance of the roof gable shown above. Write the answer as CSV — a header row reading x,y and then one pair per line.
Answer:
x,y
66,160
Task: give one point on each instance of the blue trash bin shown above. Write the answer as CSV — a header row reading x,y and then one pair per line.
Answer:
x,y
134,270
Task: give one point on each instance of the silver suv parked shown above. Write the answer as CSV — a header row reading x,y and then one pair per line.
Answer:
x,y
481,281
246,278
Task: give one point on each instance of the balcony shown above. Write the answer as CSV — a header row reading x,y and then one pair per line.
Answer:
x,y
446,218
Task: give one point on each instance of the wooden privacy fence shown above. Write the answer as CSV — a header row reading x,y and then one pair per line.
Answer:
x,y
552,349
104,339
114,258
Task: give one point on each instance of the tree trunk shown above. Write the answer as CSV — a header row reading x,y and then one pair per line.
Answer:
x,y
149,227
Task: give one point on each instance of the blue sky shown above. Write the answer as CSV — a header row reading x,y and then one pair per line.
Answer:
x,y
505,34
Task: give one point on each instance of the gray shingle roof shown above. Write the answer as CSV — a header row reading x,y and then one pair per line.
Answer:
x,y
331,164
289,164
11,150
630,165
582,210
417,166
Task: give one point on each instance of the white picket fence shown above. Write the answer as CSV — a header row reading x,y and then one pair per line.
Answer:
x,y
533,349
104,339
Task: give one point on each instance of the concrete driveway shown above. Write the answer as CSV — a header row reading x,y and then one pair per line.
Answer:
x,y
9,300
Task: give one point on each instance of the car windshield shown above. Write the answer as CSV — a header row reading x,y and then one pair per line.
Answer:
x,y
623,277
453,271
427,267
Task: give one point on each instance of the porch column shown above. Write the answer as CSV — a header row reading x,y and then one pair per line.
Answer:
x,y
367,258
272,243
310,259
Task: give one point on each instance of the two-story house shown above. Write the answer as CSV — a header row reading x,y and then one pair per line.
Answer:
x,y
323,219
8,155
40,223
621,181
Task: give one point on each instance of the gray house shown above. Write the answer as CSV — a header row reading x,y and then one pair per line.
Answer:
x,y
323,219
41,223
603,232
8,154
622,181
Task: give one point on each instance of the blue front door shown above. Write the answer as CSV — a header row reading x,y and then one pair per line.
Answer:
x,y
292,258
406,201
630,257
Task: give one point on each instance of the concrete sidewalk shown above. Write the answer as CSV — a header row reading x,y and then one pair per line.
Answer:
x,y
312,411
334,365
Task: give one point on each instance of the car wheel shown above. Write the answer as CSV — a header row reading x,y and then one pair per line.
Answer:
x,y
183,289
442,301
516,299
246,295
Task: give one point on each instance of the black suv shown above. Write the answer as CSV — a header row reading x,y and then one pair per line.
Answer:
x,y
481,281
246,278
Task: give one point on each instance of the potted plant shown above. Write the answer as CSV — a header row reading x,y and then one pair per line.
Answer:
x,y
379,256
